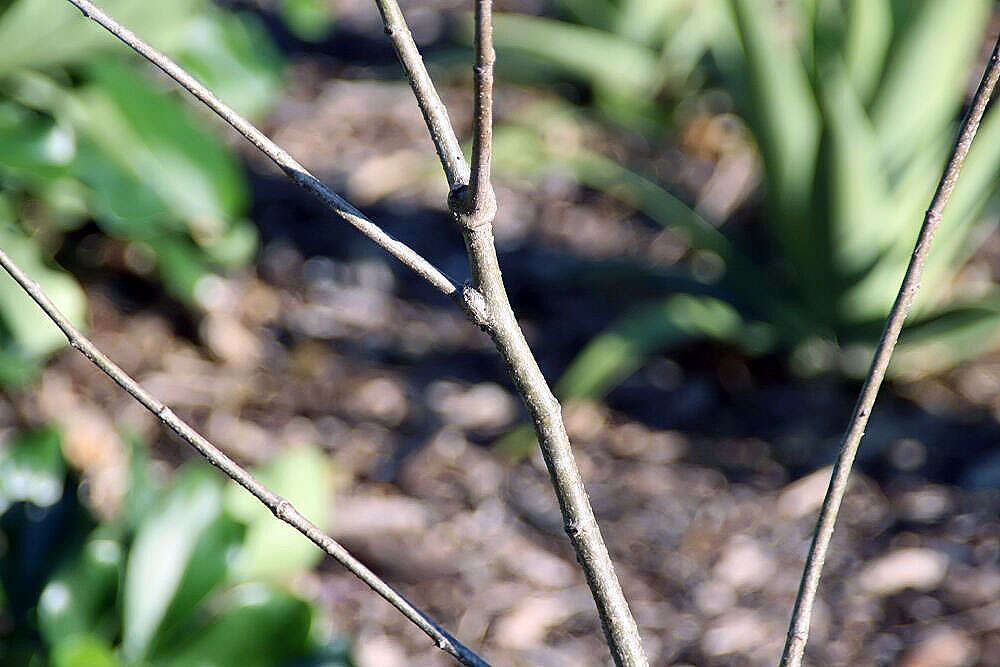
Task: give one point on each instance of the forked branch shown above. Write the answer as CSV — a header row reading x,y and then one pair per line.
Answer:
x,y
474,207
798,630
295,171
280,507
484,301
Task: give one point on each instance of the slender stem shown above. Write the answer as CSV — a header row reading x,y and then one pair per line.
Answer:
x,y
481,197
475,209
435,114
492,313
280,507
798,630
579,521
406,255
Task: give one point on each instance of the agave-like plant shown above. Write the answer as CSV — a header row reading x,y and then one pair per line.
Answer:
x,y
852,105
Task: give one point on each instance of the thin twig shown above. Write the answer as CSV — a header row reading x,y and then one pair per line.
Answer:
x,y
482,201
798,630
491,312
406,255
474,207
435,113
280,507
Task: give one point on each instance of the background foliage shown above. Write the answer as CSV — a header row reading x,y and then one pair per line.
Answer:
x,y
852,107
849,107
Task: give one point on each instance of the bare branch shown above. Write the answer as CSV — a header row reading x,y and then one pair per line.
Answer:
x,y
280,507
481,202
410,258
798,631
488,308
579,521
435,114
474,207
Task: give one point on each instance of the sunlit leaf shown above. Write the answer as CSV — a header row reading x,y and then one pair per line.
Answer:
x,y
786,124
926,74
624,347
37,146
155,138
40,34
32,331
32,470
866,44
956,334
271,548
257,626
179,555
862,222
81,595
83,651
309,20
232,55
603,59
646,22
181,267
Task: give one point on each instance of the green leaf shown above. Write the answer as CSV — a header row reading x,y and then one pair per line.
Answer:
x,y
696,32
862,222
646,21
602,59
236,248
42,34
233,56
182,267
257,627
273,549
786,124
16,371
866,44
124,205
143,487
83,651
523,151
32,470
149,134
742,276
309,20
80,597
37,146
180,554
977,183
872,297
32,331
926,75
617,353
598,14
954,335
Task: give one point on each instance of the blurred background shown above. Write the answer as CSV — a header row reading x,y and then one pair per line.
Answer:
x,y
706,207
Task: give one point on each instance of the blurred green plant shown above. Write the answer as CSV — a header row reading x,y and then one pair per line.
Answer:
x,y
852,105
179,579
632,55
88,134
309,20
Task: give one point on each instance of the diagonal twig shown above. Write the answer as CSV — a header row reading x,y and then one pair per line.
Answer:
x,y
435,114
295,171
798,630
280,507
485,301
474,207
